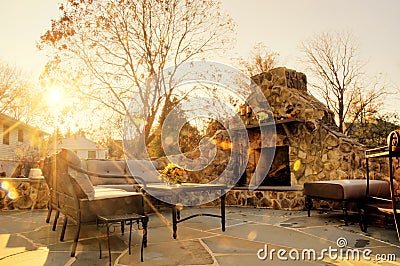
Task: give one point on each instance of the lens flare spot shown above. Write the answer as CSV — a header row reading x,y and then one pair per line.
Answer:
x,y
226,145
5,185
139,121
169,140
179,206
252,235
297,165
12,194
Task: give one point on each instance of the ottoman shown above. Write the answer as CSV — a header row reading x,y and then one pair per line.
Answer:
x,y
349,190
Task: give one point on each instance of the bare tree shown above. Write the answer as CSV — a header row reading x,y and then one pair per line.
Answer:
x,y
338,77
17,96
259,60
113,46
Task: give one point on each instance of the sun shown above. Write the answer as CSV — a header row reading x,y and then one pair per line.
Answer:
x,y
55,96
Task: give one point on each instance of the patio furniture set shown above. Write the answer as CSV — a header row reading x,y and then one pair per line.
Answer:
x,y
105,192
109,192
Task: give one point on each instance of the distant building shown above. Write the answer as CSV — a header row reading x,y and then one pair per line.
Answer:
x,y
20,144
83,147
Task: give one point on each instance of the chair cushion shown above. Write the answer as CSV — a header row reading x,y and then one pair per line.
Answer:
x,y
349,189
70,157
111,203
84,184
108,167
105,192
144,169
126,187
113,172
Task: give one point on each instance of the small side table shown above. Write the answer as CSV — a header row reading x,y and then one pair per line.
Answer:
x,y
109,220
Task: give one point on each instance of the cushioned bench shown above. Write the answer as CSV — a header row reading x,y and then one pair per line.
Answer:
x,y
349,190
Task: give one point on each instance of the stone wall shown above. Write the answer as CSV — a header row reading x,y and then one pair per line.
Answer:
x,y
23,193
276,198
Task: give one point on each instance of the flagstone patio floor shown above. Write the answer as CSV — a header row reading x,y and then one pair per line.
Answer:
x,y
252,237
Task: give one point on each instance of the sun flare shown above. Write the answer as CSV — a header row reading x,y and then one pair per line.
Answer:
x,y
55,96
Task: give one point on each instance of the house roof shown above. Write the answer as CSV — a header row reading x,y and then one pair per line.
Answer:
x,y
78,143
20,124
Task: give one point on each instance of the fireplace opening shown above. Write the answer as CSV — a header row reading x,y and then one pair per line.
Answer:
x,y
279,172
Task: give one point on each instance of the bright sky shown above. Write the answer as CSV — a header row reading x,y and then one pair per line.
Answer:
x,y
281,24
22,23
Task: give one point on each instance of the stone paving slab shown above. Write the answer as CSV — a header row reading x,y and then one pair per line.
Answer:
x,y
33,257
387,235
266,216
353,239
288,237
236,260
318,220
240,260
227,245
186,252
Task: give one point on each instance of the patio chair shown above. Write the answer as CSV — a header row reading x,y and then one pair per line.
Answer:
x,y
81,202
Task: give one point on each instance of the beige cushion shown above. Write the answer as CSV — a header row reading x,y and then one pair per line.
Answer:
x,y
108,167
104,192
126,187
144,169
84,183
85,189
70,157
113,172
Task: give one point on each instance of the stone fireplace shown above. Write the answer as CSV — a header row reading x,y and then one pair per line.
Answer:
x,y
308,145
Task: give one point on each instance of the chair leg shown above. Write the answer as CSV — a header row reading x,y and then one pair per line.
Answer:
x,y
363,220
49,213
141,249
309,205
108,242
130,236
144,225
55,220
345,213
63,229
396,223
76,238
